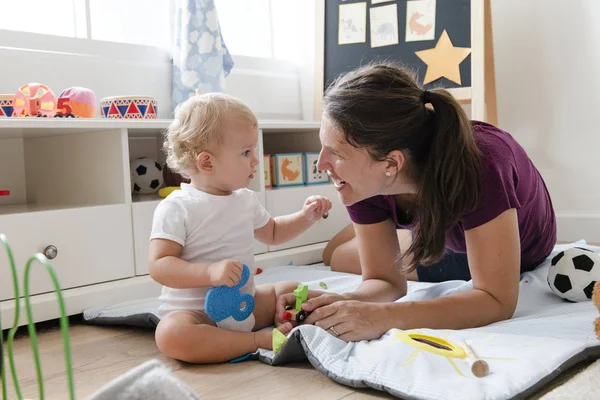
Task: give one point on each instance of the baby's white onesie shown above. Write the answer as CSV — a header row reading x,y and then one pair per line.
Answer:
x,y
210,228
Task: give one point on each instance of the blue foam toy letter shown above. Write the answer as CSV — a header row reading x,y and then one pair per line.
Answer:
x,y
222,302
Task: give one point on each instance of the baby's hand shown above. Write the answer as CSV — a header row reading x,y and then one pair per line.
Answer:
x,y
226,272
315,207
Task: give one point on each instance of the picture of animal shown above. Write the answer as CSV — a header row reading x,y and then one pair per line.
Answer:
x,y
348,26
386,31
317,173
287,169
417,28
351,23
420,20
288,173
313,173
384,25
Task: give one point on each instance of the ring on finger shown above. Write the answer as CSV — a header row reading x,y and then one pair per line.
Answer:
x,y
336,333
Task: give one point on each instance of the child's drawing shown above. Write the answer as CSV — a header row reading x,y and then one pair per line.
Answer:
x,y
352,22
384,25
420,20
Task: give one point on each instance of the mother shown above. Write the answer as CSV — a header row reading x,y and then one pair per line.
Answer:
x,y
477,208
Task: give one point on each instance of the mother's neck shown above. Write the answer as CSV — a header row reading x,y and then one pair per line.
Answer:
x,y
401,187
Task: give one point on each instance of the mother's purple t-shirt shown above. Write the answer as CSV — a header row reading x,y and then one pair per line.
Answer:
x,y
509,180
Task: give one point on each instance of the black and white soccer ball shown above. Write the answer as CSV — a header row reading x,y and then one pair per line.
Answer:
x,y
146,175
573,274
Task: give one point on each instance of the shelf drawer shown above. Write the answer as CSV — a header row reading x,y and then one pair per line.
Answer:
x,y
94,245
284,201
143,212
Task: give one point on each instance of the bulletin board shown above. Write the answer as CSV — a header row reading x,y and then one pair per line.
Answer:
x,y
421,34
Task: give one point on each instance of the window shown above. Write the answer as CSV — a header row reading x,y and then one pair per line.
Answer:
x,y
246,26
144,22
273,29
39,16
293,29
279,29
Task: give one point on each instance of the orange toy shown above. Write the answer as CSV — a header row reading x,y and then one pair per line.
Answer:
x,y
34,100
76,102
596,300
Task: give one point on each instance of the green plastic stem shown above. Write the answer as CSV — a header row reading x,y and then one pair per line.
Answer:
x,y
2,366
13,330
64,325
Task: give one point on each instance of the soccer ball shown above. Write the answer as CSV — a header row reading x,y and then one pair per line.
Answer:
x,y
573,274
146,175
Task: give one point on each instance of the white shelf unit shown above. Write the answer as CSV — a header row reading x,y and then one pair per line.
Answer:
x,y
70,188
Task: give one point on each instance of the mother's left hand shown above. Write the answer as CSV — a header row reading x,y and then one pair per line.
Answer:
x,y
352,320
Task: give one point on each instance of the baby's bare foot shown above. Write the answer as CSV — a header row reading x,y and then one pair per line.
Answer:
x,y
285,328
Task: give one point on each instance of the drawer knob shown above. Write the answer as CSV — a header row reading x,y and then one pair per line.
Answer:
x,y
51,252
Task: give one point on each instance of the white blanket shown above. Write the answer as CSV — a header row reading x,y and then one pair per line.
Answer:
x,y
545,336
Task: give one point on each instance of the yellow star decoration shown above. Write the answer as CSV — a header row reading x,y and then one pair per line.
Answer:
x,y
443,60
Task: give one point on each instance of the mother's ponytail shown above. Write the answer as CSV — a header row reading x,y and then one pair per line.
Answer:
x,y
449,180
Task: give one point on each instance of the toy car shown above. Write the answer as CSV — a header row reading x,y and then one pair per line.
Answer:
x,y
297,312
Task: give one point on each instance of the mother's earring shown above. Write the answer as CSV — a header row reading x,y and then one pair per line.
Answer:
x,y
388,173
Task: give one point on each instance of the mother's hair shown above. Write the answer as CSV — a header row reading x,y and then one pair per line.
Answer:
x,y
381,108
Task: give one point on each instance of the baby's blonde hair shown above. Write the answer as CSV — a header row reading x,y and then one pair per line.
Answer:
x,y
197,127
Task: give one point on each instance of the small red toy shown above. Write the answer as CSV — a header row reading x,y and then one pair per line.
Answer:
x,y
76,102
258,271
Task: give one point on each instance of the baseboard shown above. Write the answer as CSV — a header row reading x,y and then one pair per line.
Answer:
x,y
45,306
572,227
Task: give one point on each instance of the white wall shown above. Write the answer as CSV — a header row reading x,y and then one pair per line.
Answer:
x,y
547,59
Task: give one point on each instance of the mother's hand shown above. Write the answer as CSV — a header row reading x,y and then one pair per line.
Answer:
x,y
315,300
352,320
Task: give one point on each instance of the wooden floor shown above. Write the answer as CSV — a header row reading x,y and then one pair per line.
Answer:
x,y
101,354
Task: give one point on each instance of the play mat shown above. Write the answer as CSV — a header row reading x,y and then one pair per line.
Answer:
x,y
546,336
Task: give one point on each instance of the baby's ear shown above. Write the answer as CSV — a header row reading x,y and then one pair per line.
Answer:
x,y
204,162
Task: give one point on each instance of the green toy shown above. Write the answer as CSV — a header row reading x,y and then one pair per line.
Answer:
x,y
279,340
301,294
64,326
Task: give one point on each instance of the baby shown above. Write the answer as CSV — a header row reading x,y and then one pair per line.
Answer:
x,y
204,233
